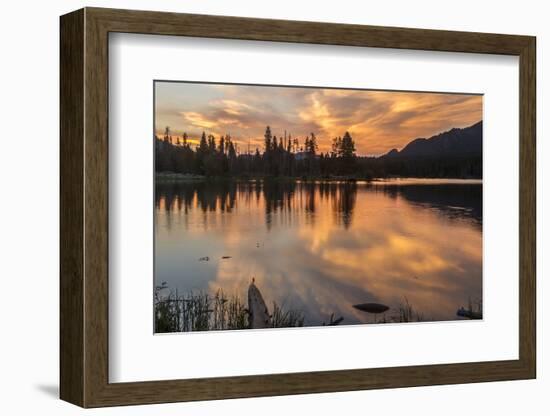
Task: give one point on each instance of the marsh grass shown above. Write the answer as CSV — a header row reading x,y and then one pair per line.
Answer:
x,y
405,312
408,314
205,312
284,319
201,311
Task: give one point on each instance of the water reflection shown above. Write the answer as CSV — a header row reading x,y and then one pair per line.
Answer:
x,y
322,247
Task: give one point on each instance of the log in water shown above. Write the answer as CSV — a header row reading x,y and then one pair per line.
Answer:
x,y
259,315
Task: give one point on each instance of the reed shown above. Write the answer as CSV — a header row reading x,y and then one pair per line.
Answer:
x,y
284,319
406,313
205,312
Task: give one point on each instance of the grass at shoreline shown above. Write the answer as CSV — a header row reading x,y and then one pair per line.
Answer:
x,y
201,311
205,312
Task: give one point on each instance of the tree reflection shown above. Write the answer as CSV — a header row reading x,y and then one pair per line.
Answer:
x,y
344,202
282,201
454,201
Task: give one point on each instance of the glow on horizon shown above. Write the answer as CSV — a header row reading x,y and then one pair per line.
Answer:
x,y
377,120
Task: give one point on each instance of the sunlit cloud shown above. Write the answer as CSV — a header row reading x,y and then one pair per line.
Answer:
x,y
377,120
199,120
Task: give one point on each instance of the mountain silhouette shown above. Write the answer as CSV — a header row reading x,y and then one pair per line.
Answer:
x,y
453,143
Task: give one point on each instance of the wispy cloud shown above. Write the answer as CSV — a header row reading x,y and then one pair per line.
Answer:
x,y
378,120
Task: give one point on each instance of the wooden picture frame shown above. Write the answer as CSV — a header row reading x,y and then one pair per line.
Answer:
x,y
84,207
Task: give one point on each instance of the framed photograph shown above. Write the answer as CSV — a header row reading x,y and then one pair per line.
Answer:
x,y
255,207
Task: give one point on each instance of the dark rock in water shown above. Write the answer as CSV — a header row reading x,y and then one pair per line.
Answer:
x,y
372,307
204,258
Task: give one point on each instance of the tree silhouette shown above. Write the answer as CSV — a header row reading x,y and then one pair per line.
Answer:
x,y
285,157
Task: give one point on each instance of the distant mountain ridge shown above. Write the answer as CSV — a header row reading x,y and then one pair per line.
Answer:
x,y
457,142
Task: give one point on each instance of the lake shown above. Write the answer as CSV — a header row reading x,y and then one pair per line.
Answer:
x,y
321,247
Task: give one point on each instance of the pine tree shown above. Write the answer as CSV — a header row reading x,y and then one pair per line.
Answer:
x,y
347,147
203,145
267,139
268,157
336,147
211,144
311,145
231,151
347,154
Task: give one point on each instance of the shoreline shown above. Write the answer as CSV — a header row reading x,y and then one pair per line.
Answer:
x,y
167,177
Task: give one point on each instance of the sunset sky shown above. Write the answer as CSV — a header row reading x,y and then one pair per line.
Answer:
x,y
377,120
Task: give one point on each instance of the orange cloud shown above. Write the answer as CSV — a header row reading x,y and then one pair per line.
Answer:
x,y
377,120
199,120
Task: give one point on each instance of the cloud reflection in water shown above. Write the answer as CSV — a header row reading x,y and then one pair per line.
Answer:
x,y
322,247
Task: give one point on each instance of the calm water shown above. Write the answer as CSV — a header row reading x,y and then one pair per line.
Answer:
x,y
322,247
